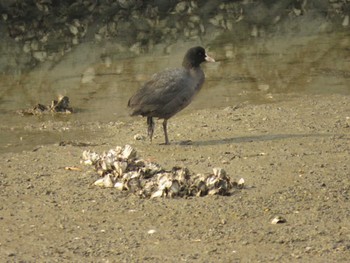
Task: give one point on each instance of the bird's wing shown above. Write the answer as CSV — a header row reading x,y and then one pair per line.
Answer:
x,y
168,91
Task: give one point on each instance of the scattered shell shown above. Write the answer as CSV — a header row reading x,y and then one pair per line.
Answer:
x,y
181,7
219,172
201,188
158,193
119,186
73,29
255,31
89,157
139,137
98,37
61,105
278,220
34,45
107,61
43,6
75,40
217,20
136,48
122,169
151,231
26,47
128,152
194,19
133,185
106,181
182,174
297,12
88,75
240,183
40,55
214,191
174,189
346,21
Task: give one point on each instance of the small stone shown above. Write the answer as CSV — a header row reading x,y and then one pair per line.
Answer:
x,y
151,231
139,137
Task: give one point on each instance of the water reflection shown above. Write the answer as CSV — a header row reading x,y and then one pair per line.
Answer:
x,y
257,72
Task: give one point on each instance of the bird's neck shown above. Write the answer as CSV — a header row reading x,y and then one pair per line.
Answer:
x,y
188,65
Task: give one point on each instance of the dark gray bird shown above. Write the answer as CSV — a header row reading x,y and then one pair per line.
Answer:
x,y
170,91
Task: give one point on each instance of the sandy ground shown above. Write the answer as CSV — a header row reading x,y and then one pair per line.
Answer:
x,y
294,157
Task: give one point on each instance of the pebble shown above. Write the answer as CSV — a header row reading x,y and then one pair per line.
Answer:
x,y
139,137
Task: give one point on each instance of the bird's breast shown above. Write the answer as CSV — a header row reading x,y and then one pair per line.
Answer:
x,y
197,77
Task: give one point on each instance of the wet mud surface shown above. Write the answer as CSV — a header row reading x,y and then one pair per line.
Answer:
x,y
294,156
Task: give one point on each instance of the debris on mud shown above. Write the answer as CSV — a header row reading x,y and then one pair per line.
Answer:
x,y
278,220
122,169
61,105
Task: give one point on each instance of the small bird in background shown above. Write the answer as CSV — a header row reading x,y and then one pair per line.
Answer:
x,y
170,91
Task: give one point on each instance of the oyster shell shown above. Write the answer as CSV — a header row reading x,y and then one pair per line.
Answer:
x,y
219,172
211,181
133,184
90,158
148,189
278,220
181,174
181,7
106,181
122,169
158,193
214,191
73,29
119,186
202,189
131,175
164,181
151,169
128,152
240,183
174,188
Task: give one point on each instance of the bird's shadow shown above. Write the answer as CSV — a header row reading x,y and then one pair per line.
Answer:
x,y
256,138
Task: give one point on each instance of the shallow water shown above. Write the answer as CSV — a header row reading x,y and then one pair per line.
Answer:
x,y
260,71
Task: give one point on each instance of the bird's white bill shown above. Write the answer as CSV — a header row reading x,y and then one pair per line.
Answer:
x,y
209,59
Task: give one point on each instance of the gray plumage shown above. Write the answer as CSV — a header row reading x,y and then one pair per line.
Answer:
x,y
170,91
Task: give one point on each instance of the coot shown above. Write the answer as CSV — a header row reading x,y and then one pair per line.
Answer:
x,y
169,91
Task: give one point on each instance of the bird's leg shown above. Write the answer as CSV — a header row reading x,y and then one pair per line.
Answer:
x,y
150,129
165,131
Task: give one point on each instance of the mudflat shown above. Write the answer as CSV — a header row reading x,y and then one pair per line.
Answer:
x,y
294,156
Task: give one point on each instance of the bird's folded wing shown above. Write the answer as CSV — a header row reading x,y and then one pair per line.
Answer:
x,y
167,91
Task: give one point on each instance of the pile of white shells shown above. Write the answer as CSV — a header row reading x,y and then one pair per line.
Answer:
x,y
120,168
